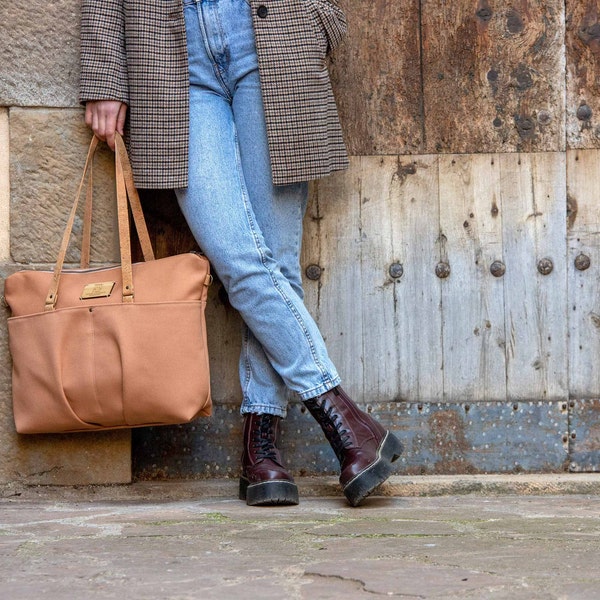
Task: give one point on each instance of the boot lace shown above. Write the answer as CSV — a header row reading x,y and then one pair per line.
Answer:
x,y
262,439
333,427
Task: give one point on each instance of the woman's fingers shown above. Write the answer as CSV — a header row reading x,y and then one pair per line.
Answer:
x,y
105,117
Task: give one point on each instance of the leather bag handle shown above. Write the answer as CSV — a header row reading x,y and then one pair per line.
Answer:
x,y
125,192
136,211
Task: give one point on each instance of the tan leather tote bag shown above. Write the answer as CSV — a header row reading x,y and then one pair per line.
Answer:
x,y
110,347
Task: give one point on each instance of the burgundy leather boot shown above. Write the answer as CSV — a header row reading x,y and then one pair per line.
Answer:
x,y
264,480
366,451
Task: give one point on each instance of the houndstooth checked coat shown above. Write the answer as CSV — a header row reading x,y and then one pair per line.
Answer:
x,y
135,51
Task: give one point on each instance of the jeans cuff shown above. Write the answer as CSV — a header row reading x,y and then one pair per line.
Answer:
x,y
263,409
320,389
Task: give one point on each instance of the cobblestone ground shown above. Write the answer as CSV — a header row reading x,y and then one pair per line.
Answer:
x,y
450,547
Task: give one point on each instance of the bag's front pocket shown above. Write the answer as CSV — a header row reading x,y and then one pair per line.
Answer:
x,y
119,365
54,386
156,355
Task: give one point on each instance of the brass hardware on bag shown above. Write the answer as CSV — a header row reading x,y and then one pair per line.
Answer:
x,y
97,290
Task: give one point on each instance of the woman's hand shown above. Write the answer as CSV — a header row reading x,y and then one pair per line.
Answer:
x,y
105,117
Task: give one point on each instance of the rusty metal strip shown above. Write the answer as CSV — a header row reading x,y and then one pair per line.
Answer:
x,y
440,438
584,435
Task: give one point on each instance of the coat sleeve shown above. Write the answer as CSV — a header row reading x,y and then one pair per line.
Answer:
x,y
333,20
103,52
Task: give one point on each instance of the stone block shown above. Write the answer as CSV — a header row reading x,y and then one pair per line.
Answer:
x,y
39,46
4,186
47,154
70,459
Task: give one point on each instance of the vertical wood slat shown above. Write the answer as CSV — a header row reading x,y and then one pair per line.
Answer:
x,y
583,238
473,299
311,250
493,75
377,78
335,211
582,46
534,206
418,294
382,323
401,320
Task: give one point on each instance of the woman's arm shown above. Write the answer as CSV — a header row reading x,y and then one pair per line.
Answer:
x,y
104,85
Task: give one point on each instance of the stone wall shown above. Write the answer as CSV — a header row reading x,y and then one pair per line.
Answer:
x,y
43,142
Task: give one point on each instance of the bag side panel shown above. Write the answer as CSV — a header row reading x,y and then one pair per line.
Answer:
x,y
25,292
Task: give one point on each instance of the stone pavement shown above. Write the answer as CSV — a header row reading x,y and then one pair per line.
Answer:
x,y
174,541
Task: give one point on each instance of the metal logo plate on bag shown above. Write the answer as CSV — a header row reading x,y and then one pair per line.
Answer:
x,y
97,290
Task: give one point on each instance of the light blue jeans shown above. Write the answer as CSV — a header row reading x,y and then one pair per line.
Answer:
x,y
249,229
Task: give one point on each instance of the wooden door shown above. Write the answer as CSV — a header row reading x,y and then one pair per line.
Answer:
x,y
454,268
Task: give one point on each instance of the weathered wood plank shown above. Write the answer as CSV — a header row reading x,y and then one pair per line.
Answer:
x,y
493,75
381,322
383,331
377,78
534,208
311,247
583,237
401,319
335,211
582,46
472,297
415,234
396,324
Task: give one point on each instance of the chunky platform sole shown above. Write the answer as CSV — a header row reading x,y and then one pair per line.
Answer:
x,y
268,493
362,484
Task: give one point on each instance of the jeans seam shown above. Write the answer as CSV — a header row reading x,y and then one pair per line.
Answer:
x,y
210,53
248,369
